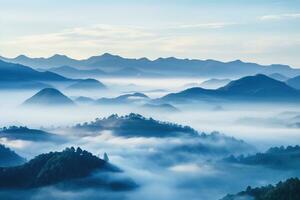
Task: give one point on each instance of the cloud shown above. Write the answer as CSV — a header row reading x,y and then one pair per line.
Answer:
x,y
280,16
193,168
85,41
215,25
195,40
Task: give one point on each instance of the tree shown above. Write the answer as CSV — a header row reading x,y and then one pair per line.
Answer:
x,y
105,157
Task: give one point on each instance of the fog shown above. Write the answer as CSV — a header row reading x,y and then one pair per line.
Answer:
x,y
151,162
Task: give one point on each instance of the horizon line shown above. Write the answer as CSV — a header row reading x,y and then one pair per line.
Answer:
x,y
140,58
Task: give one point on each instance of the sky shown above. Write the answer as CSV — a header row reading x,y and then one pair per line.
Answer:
x,y
262,31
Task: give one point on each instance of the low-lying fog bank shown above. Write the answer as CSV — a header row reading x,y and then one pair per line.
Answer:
x,y
173,167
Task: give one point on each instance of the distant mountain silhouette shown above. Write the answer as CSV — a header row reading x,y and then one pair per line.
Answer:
x,y
214,83
287,190
276,157
53,61
160,107
126,98
278,77
133,72
48,97
84,100
17,72
258,87
53,168
21,77
163,66
87,84
24,133
77,73
294,82
9,158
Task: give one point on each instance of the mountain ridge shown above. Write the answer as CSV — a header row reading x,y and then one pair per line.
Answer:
x,y
49,97
258,87
166,66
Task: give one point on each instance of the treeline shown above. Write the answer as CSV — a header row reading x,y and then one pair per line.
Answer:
x,y
288,190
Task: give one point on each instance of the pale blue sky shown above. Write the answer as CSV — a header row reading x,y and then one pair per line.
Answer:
x,y
263,31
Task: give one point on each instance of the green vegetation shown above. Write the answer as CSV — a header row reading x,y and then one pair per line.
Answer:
x,y
134,125
9,157
276,157
288,190
52,168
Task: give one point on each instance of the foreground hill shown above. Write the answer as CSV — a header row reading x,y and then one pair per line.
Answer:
x,y
276,157
192,143
287,190
21,77
24,133
49,97
258,87
9,158
164,66
135,125
53,168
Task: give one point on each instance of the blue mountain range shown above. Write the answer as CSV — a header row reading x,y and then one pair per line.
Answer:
x,y
258,87
162,66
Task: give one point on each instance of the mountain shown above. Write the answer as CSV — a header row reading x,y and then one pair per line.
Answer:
x,y
276,157
24,133
53,61
133,72
214,83
84,100
9,158
90,73
87,84
126,98
48,97
17,72
165,107
135,125
287,190
77,73
53,168
21,77
259,87
294,82
192,142
278,77
163,66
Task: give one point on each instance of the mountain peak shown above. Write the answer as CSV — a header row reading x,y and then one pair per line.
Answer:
x,y
108,55
259,85
88,84
58,56
21,57
49,96
238,61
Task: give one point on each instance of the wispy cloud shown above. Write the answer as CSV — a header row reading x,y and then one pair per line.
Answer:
x,y
214,25
198,40
123,40
280,16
